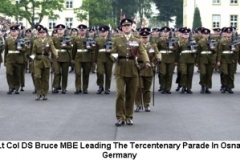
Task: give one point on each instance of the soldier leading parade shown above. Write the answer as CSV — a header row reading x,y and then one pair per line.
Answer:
x,y
137,56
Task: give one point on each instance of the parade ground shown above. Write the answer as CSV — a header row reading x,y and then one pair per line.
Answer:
x,y
91,116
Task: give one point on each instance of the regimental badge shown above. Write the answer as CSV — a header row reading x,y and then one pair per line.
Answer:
x,y
151,50
126,21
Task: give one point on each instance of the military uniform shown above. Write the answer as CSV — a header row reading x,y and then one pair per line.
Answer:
x,y
167,65
42,48
14,59
61,65
143,94
186,62
206,60
227,59
82,58
104,63
126,74
2,46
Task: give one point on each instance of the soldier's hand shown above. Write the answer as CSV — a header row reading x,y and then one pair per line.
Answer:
x,y
108,50
72,61
147,64
218,63
64,45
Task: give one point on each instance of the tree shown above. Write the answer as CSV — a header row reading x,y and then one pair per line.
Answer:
x,y
27,9
169,9
197,22
97,12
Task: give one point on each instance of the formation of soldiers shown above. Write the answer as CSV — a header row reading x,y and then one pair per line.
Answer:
x,y
137,54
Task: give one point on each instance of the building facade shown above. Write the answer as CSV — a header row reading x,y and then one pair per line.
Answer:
x,y
66,16
214,13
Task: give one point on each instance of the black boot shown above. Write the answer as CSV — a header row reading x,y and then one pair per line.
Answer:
x,y
202,89
207,91
178,88
224,89
183,90
10,91
230,91
100,90
189,91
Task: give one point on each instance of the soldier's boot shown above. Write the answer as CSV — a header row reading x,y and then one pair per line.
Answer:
x,y
129,122
21,89
45,97
107,91
10,91
183,90
178,88
55,90
119,123
168,92
207,91
64,91
160,89
16,91
189,91
202,89
147,108
224,89
221,88
78,91
85,91
138,108
38,97
34,92
71,70
230,91
163,91
100,90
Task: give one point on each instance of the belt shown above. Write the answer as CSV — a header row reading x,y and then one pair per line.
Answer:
x,y
126,57
102,50
82,50
61,50
165,51
140,61
206,52
42,54
186,51
13,51
227,52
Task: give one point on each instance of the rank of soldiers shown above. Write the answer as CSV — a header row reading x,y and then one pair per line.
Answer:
x,y
137,55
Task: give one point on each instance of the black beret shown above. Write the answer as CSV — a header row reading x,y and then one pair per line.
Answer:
x,y
104,28
145,29
60,26
205,31
144,34
82,26
165,29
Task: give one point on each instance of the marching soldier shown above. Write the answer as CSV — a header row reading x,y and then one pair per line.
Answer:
x,y
217,37
143,95
186,62
42,48
206,60
82,60
126,73
2,46
92,37
13,60
74,34
226,59
103,60
167,48
61,65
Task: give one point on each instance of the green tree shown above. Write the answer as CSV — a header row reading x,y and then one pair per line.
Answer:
x,y
97,12
27,9
197,22
169,9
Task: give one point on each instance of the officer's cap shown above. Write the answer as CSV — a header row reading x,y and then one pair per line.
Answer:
x,y
60,26
42,30
14,28
38,26
228,30
54,32
145,29
185,30
205,31
82,26
126,21
217,30
28,31
74,29
155,29
144,34
104,28
165,29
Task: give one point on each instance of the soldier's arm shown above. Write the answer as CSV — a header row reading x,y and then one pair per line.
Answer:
x,y
143,53
219,52
157,53
96,52
74,50
52,48
5,52
198,52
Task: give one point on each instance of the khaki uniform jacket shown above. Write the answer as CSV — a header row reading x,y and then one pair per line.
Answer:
x,y
202,56
99,54
224,46
169,56
46,47
185,57
79,45
63,56
153,53
128,68
10,45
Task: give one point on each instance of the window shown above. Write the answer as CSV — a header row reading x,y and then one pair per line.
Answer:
x,y
52,23
69,22
36,20
233,1
216,21
69,4
216,1
233,20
